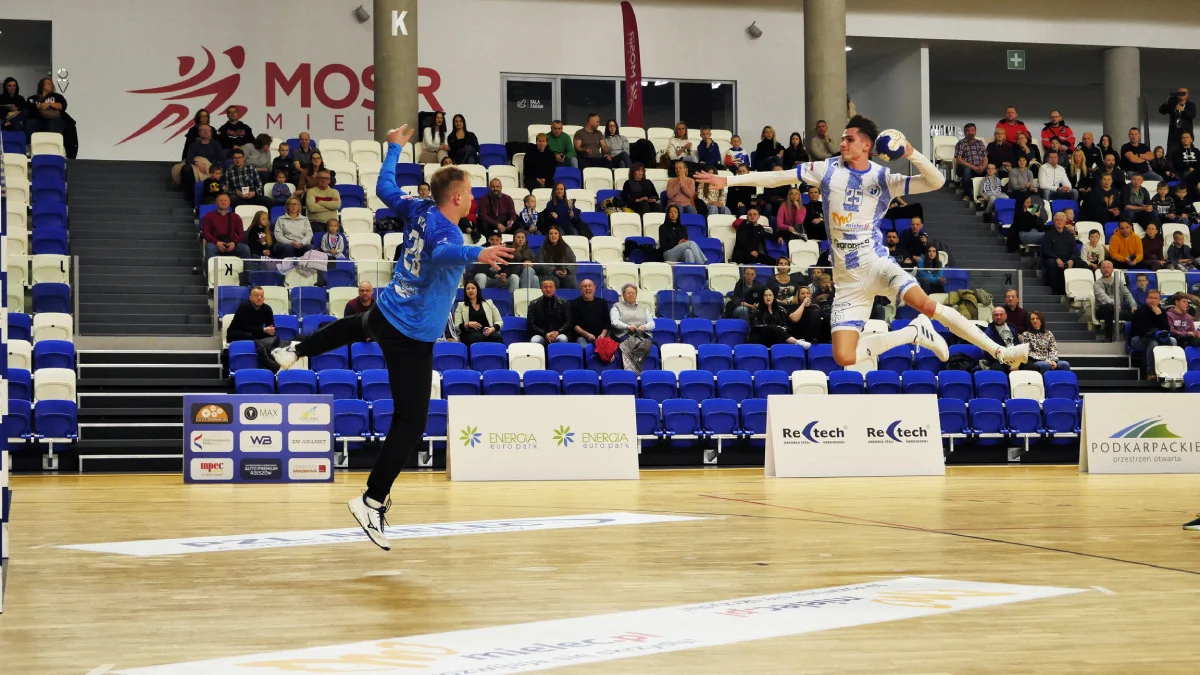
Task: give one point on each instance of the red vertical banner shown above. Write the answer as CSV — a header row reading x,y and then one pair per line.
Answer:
x,y
633,67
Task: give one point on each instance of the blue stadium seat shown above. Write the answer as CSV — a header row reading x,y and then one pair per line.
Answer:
x,y
334,359
883,382
460,382
1061,384
653,360
541,383
340,274
952,413
487,356
15,142
719,416
924,359
846,382
666,331
1061,418
820,357
955,384
772,382
375,384
568,294
991,384
381,415
1023,417
247,382
275,213
308,300
906,313
696,224
681,417
242,354
581,383
595,364
637,256
593,271
918,382
20,326
1005,208
312,323
287,327
709,305
970,351
18,423
52,213
658,385
696,332
735,385
596,220
754,416
54,419
602,195
956,280
338,383
730,332
20,384
52,297
49,239
366,356
896,359
449,356
788,358
690,278
351,418
501,298
619,383
535,241
229,297
987,419
712,248
300,382
501,383
569,176
514,330
479,192
564,356
751,358
409,174
672,305
492,153
1191,382
647,416
714,358
53,354
1192,353
697,385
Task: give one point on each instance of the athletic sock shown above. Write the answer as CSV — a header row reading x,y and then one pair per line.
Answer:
x,y
372,503
871,346
960,326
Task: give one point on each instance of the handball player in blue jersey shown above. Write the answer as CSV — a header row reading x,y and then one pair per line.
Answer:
x,y
409,316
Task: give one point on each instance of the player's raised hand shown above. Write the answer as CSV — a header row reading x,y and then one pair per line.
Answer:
x,y
495,255
908,149
710,179
402,135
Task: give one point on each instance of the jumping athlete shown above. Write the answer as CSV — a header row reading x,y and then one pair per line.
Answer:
x,y
856,193
408,318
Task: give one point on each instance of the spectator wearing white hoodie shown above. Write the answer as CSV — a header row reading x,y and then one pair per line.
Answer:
x,y
1053,180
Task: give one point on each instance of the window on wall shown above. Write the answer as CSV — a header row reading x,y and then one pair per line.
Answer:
x,y
581,97
706,104
659,103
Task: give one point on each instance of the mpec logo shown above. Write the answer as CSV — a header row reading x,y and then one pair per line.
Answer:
x,y
813,432
895,433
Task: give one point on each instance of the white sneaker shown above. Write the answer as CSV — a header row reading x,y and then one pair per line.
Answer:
x,y
928,338
285,356
1013,356
371,520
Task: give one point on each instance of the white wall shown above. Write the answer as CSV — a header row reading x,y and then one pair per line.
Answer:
x,y
889,91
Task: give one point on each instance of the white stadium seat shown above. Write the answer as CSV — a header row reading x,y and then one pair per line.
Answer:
x,y
722,277
246,212
478,173
650,224
677,357
1084,227
20,354
338,297
47,143
521,299
1171,282
655,133
57,384
622,224
723,136
1079,284
224,270
1170,363
17,189
390,241
542,195
51,268
535,129
619,177
656,276
523,356
659,177
507,175
803,254
365,246
608,250
617,275
356,220
365,152
633,133
228,319
276,297
518,195
809,382
368,177
578,244
435,385
18,219
1026,384
597,178
16,165
379,273
335,151
347,171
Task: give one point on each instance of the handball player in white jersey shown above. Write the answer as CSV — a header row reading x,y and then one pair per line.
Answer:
x,y
856,193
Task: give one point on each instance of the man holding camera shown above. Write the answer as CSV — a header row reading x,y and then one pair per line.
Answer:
x,y
1182,112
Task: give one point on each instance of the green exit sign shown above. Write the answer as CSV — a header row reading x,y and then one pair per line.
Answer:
x,y
1016,59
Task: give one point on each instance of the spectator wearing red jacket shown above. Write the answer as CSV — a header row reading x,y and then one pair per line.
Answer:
x,y
1012,125
1057,128
223,232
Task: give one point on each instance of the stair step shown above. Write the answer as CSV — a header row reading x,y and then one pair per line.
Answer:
x,y
141,431
131,415
197,288
149,372
104,327
1106,374
88,386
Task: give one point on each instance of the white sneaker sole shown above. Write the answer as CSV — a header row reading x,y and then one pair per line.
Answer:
x,y
358,510
928,338
1021,356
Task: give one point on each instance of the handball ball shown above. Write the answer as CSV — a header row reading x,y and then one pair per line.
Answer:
x,y
891,144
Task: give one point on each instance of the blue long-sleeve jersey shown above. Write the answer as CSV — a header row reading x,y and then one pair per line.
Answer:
x,y
421,293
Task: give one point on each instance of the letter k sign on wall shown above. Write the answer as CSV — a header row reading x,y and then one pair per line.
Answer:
x,y
398,27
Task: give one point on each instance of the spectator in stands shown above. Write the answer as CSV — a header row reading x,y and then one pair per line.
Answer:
x,y
1091,152
639,192
590,146
794,154
254,320
1183,326
47,110
486,276
549,316
820,146
521,266
14,107
561,146
1078,174
745,296
632,324
302,156
1031,153
1028,226
234,133
497,213
1179,254
673,241
681,190
1153,254
258,236
447,161
714,198
589,315
1135,201
910,240
740,197
242,182
213,185
1141,287
1105,292
1057,128
1125,248
785,284
929,271
293,232
1106,145
1184,198
1000,152
970,160
360,304
203,154
1021,182
464,146
735,156
280,189
1002,333
1161,165
1150,328
477,319
773,197
258,156
680,147
708,152
284,162
1094,251
556,260
1181,112
892,240
434,144
323,201
1103,204
1012,308
618,146
423,191
1058,253
1136,156
806,321
769,322
789,223
1011,125
1185,161
1043,348
560,212
528,218
750,240
1053,181
223,232
333,242
539,165
990,189
769,153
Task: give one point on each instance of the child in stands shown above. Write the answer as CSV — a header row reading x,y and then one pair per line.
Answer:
x,y
280,190
212,186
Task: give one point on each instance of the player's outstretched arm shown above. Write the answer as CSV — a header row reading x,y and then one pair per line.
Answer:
x,y
929,177
759,178
385,186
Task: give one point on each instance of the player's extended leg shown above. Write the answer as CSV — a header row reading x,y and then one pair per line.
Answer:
x,y
848,316
330,336
959,325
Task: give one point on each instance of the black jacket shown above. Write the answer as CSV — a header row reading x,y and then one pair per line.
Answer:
x,y
248,322
234,134
1058,246
592,316
1180,121
669,235
1146,322
549,314
539,165
1094,207
751,238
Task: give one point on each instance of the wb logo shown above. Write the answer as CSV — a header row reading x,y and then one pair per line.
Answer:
x,y
262,440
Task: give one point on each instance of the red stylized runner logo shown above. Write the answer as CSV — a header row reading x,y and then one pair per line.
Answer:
x,y
211,95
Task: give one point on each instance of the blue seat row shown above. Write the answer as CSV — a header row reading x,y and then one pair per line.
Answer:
x,y
360,356
369,385
48,420
990,420
52,296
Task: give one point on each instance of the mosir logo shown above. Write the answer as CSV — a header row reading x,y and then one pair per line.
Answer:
x,y
308,413
209,440
261,441
309,469
813,433
260,413
211,469
213,82
309,441
894,433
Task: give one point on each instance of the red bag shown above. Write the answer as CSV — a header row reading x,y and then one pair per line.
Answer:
x,y
606,349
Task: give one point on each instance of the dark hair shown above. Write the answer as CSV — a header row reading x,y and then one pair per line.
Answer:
x,y
262,141
14,81
557,253
1101,141
1135,129
864,125
438,131
1110,153
613,122
971,125
459,116
591,115
678,213
237,151
444,180
478,293
256,288
1041,318
41,86
195,118
552,122
637,166
796,136
1094,231
423,183
281,172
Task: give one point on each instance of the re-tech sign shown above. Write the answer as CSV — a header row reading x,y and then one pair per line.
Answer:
x,y
814,433
894,433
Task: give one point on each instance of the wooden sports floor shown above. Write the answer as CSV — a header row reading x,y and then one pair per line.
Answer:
x,y
1118,537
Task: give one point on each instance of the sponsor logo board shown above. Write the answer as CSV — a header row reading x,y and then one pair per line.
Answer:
x,y
212,413
211,440
268,468
308,413
309,441
305,468
260,441
214,468
260,413
1119,437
